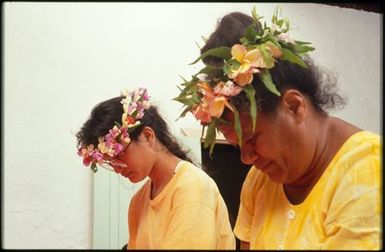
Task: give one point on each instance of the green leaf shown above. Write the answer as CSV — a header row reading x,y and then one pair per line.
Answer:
x,y
250,32
254,13
118,124
237,125
188,87
270,38
222,121
302,42
185,82
265,77
188,101
274,18
269,60
94,168
198,45
230,65
222,52
299,48
244,41
210,137
207,70
287,25
209,134
289,56
303,48
185,111
250,93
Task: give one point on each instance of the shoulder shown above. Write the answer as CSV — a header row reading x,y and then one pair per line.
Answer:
x,y
359,156
193,175
194,185
355,171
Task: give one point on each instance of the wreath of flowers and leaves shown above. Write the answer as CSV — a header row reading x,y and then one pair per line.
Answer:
x,y
259,48
134,103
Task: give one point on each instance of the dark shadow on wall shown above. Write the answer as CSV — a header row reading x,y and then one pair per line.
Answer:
x,y
228,172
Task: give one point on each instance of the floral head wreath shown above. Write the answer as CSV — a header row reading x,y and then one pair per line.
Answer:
x,y
256,53
111,145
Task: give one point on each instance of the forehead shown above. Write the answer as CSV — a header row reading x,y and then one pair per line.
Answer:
x,y
245,119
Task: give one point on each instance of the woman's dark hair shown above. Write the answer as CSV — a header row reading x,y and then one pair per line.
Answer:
x,y
105,114
318,85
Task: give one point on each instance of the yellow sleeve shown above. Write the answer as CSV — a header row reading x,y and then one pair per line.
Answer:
x,y
192,226
132,224
246,207
353,219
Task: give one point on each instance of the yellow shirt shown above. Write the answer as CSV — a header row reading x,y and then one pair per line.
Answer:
x,y
189,213
342,210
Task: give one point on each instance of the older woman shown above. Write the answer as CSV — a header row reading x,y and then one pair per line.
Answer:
x,y
315,180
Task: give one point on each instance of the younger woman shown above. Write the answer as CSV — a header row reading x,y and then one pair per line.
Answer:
x,y
180,206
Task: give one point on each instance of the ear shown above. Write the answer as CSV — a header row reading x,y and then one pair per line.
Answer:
x,y
148,134
295,103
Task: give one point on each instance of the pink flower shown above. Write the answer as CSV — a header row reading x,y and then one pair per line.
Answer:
x,y
118,148
97,155
227,89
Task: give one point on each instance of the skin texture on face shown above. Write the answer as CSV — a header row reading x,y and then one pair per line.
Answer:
x,y
281,146
137,161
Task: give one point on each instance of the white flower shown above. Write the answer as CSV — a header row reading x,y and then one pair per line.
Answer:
x,y
274,27
285,37
124,92
227,89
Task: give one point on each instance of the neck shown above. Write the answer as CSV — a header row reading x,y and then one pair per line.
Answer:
x,y
333,133
317,164
162,171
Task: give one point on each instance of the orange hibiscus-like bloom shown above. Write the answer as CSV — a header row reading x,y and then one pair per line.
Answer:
x,y
249,62
202,114
212,104
274,50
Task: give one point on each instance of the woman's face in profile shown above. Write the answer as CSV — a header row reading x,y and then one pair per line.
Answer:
x,y
271,148
136,162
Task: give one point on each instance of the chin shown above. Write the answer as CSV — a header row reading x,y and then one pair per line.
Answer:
x,y
277,176
133,178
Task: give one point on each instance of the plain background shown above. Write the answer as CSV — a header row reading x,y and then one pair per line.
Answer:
x,y
61,59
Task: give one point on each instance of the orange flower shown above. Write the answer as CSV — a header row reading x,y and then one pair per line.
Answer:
x,y
249,62
243,79
211,103
202,114
274,50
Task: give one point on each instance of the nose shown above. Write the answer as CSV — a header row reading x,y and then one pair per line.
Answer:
x,y
248,154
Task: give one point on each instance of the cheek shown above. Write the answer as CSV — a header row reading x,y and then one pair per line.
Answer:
x,y
267,147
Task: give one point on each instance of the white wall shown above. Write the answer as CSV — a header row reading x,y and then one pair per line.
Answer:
x,y
60,59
